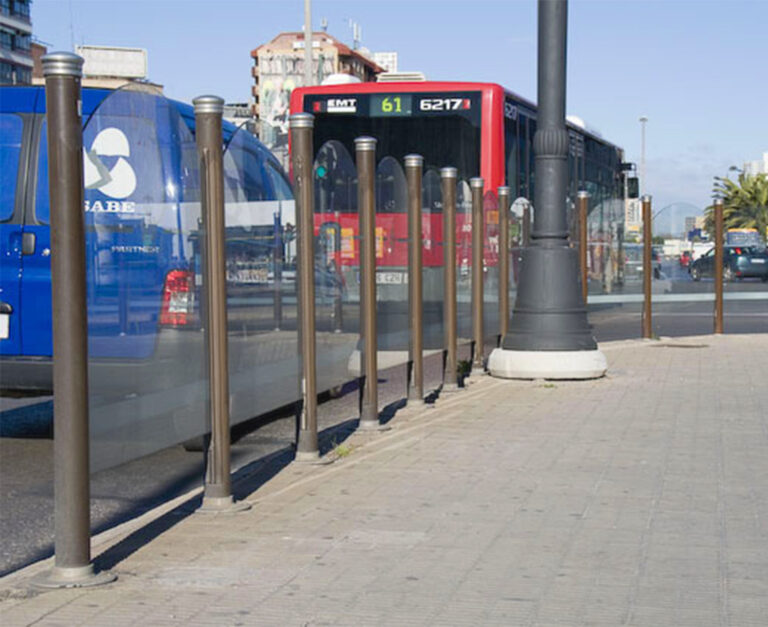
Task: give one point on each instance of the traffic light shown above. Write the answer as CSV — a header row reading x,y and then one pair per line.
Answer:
x,y
633,187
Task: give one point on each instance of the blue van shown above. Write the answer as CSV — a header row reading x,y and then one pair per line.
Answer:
x,y
144,283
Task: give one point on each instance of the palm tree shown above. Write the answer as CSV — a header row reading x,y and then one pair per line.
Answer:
x,y
745,203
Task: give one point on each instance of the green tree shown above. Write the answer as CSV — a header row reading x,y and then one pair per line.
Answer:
x,y
745,203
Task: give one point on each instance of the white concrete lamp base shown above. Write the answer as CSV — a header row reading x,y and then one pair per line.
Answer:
x,y
511,364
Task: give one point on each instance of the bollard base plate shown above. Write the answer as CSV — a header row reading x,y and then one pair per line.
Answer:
x,y
72,577
311,458
222,505
451,388
514,364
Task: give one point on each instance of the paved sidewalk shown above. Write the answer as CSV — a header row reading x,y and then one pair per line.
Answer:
x,y
638,499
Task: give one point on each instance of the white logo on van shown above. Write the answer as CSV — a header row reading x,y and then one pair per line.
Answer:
x,y
120,181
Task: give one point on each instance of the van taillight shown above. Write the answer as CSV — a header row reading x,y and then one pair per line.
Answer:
x,y
178,298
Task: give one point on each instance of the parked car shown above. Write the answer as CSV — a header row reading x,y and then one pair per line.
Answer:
x,y
633,262
739,262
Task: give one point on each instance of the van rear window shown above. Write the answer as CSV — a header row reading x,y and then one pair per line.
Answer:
x,y
10,149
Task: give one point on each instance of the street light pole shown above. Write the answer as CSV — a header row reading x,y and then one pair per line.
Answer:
x,y
643,119
307,43
549,336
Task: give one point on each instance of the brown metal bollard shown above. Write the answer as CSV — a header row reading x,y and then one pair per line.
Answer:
x,y
450,374
583,207
413,172
503,192
301,124
365,148
72,520
647,270
718,265
478,240
217,493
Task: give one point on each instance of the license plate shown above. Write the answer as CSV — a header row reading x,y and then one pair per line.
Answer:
x,y
391,278
248,275
753,260
4,326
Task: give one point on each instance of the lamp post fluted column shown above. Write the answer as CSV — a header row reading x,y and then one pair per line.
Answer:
x,y
549,336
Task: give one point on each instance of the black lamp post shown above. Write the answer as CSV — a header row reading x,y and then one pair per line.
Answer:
x,y
549,336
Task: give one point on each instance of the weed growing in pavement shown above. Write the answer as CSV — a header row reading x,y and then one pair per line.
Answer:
x,y
342,450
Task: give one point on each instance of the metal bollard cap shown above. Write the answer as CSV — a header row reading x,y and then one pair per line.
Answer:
x,y
62,64
503,189
646,198
301,120
413,161
365,143
449,173
476,181
208,104
582,193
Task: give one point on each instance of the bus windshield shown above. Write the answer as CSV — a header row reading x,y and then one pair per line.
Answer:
x,y
425,124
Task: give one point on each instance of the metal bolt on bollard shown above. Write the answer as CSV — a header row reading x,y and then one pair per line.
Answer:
x,y
307,447
448,178
72,523
647,270
413,172
478,241
719,265
217,491
365,147
583,204
503,193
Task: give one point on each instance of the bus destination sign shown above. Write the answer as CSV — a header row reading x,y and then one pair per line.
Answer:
x,y
393,104
383,105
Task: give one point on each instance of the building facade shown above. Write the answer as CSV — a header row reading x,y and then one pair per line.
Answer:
x,y
278,67
759,166
15,43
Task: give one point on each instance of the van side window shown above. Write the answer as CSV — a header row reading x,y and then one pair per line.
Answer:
x,y
10,149
42,197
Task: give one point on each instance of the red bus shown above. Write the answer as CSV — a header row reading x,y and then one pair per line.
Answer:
x,y
478,128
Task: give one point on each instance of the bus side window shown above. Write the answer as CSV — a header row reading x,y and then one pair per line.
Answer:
x,y
10,150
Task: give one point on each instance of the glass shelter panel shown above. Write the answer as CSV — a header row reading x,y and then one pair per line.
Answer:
x,y
261,285
337,266
147,380
433,283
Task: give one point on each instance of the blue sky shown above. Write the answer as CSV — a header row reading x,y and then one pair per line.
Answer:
x,y
697,69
